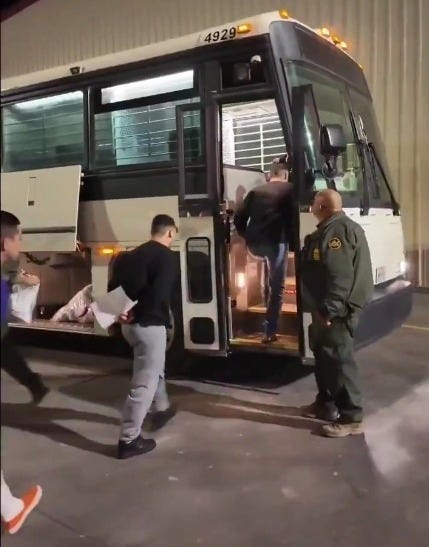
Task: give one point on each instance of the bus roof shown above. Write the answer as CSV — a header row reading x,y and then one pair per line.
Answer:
x,y
245,27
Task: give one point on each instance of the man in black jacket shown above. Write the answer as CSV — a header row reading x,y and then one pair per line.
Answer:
x,y
147,274
266,221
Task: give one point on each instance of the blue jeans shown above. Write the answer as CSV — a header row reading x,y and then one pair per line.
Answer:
x,y
275,268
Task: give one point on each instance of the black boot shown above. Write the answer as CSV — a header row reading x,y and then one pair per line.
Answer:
x,y
135,448
38,389
320,411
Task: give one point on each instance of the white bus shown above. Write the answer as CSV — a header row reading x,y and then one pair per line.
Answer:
x,y
92,152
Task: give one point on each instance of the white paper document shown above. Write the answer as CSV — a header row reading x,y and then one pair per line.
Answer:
x,y
110,306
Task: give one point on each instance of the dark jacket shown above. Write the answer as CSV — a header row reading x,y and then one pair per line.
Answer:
x,y
147,274
267,215
336,268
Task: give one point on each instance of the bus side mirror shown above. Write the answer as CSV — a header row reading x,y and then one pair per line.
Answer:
x,y
332,140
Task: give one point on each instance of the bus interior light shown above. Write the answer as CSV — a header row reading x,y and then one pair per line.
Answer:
x,y
283,14
336,40
244,28
106,251
343,45
403,267
325,32
240,280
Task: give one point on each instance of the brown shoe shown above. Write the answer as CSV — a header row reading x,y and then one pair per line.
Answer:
x,y
339,429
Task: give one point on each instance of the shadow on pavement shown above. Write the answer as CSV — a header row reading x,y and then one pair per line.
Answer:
x,y
246,369
111,391
226,407
41,421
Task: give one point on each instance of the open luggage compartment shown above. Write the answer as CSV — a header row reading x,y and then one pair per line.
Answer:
x,y
62,276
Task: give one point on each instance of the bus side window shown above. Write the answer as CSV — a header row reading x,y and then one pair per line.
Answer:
x,y
198,262
135,122
42,133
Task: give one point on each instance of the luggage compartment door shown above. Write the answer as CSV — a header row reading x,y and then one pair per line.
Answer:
x,y
46,201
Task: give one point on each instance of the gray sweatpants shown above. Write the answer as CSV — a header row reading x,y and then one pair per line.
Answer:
x,y
148,380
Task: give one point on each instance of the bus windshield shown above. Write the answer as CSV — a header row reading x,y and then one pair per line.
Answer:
x,y
362,106
333,107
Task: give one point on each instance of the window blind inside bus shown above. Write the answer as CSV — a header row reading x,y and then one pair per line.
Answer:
x,y
42,133
146,134
257,141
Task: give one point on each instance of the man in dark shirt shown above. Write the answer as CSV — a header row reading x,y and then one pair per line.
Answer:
x,y
147,274
266,221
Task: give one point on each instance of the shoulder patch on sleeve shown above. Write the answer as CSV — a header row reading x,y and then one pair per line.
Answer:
x,y
335,243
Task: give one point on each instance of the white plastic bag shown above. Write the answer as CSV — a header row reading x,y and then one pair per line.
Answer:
x,y
23,302
78,308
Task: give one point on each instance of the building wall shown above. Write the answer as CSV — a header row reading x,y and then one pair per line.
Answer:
x,y
385,36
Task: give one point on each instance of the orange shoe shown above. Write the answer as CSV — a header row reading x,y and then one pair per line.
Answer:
x,y
30,500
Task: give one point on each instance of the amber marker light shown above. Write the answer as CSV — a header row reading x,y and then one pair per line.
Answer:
x,y
244,28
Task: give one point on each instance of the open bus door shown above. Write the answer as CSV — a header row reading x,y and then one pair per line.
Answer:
x,y
251,137
201,235
307,180
46,201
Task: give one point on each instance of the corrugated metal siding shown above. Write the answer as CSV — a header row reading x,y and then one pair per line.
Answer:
x,y
386,37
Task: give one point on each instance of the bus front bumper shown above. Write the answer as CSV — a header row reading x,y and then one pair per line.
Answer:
x,y
389,308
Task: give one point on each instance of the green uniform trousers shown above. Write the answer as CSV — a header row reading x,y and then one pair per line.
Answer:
x,y
336,371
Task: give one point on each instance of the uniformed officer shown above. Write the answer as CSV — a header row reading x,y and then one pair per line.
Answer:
x,y
337,283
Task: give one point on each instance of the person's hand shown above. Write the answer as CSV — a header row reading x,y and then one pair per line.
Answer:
x,y
324,320
126,318
29,279
123,319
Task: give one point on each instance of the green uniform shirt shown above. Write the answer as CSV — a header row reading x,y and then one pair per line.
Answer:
x,y
336,268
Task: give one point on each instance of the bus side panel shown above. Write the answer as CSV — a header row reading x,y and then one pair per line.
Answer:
x,y
121,224
123,221
199,290
383,231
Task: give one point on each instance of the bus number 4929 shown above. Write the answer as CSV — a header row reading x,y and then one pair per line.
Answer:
x,y
221,35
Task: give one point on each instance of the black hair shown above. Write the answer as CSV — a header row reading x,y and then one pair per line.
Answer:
x,y
9,225
162,223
